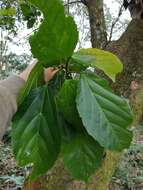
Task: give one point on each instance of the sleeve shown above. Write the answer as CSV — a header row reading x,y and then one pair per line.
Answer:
x,y
9,90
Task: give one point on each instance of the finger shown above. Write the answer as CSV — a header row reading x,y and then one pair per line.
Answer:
x,y
55,71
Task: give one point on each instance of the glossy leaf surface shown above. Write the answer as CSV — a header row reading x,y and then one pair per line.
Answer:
x,y
82,156
36,135
67,103
103,60
104,115
57,36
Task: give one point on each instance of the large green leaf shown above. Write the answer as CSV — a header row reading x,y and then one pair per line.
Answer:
x,y
82,156
57,36
103,60
104,115
67,103
36,135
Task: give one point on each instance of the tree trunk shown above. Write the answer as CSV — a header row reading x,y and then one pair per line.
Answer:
x,y
129,49
97,23
58,177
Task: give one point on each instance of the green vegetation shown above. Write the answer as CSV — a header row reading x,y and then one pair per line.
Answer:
x,y
44,112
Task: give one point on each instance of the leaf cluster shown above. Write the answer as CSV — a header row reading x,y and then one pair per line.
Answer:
x,y
30,14
9,14
76,115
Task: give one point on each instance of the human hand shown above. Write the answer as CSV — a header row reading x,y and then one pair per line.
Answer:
x,y
48,73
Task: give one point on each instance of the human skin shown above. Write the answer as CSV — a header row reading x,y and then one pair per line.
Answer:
x,y
48,73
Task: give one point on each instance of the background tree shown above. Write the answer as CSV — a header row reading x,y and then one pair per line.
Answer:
x,y
12,23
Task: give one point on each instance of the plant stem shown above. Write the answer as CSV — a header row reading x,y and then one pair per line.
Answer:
x,y
66,68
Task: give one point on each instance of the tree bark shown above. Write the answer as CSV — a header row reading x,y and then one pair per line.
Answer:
x,y
129,49
97,23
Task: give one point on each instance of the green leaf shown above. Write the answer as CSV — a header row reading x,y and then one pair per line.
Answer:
x,y
32,82
67,132
25,9
57,82
57,36
80,62
8,12
82,156
30,14
103,60
36,134
104,115
67,103
31,22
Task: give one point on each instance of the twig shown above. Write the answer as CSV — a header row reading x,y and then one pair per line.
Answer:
x,y
66,68
25,37
115,22
72,2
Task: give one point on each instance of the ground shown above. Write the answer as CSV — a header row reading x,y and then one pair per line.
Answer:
x,y
11,176
128,175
